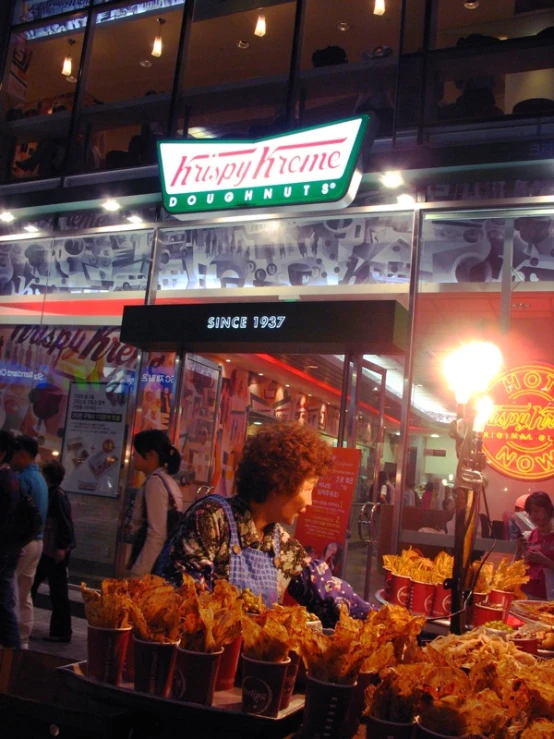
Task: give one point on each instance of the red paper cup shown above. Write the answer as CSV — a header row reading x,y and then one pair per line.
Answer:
x,y
357,701
326,709
154,666
379,729
129,664
195,676
228,664
503,598
423,733
262,686
442,605
388,584
477,598
290,680
106,650
422,597
400,590
483,613
530,644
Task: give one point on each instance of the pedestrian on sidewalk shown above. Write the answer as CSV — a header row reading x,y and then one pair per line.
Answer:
x,y
9,548
59,540
33,484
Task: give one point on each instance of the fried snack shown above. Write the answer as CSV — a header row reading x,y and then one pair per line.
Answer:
x,y
469,649
295,620
396,697
108,609
209,621
401,564
268,642
510,576
394,624
540,729
333,659
541,611
539,681
442,567
483,584
444,716
484,713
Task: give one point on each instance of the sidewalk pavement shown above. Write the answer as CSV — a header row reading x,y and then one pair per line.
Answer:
x,y
76,651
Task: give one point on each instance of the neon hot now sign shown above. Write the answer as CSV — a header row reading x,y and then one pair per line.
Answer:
x,y
312,167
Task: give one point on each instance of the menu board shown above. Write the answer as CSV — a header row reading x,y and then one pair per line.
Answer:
x,y
93,439
322,528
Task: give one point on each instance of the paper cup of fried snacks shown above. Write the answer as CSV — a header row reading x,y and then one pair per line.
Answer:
x,y
377,728
400,590
195,676
422,732
422,597
154,666
262,686
326,709
106,650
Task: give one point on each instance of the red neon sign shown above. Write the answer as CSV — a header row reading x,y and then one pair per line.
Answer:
x,y
519,437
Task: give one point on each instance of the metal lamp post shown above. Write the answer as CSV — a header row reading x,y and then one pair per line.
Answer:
x,y
469,371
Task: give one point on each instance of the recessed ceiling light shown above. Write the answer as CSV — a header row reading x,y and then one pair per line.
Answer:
x,y
434,436
243,45
343,26
261,374
520,306
227,360
405,199
391,179
312,366
146,63
111,205
30,228
257,423
309,395
287,385
134,219
471,4
55,453
6,217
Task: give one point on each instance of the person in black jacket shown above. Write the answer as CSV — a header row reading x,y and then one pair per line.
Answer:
x,y
59,540
9,549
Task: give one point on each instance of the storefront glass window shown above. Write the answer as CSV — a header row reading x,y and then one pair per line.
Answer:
x,y
463,299
128,85
26,11
39,94
235,75
352,251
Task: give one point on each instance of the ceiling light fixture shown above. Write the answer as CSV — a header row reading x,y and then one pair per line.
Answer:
x,y
134,219
343,26
391,179
471,4
227,360
379,8
30,228
243,45
261,27
260,374
145,63
434,436
405,199
67,67
157,47
111,205
287,385
6,217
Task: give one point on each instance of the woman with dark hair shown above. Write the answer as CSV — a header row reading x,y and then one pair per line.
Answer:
x,y
159,503
242,539
59,540
539,548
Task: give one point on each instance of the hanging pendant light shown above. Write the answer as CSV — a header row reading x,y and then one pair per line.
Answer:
x,y
67,67
260,29
157,47
379,8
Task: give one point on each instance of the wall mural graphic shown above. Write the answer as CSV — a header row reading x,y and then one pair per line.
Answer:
x,y
351,251
101,263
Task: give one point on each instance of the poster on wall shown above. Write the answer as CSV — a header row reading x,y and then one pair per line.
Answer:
x,y
93,440
322,528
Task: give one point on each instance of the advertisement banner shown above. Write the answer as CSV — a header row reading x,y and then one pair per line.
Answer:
x,y
93,441
322,529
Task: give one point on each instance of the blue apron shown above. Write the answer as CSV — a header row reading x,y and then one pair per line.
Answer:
x,y
251,568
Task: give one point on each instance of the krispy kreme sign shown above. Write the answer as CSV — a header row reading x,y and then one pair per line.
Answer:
x,y
519,437
314,167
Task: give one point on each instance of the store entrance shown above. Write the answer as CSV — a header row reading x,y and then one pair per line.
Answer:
x,y
223,390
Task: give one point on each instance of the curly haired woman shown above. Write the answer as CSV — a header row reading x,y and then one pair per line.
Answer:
x,y
242,538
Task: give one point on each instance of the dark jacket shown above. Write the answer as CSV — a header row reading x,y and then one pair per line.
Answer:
x,y
9,501
59,509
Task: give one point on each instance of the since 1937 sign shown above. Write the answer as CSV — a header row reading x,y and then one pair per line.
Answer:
x,y
315,167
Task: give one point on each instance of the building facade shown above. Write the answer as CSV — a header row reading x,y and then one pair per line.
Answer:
x,y
461,108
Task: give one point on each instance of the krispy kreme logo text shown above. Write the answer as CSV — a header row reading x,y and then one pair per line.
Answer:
x,y
301,168
519,437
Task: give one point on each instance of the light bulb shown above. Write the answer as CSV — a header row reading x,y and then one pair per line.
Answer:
x,y
471,368
391,179
157,47
379,8
485,409
260,29
67,67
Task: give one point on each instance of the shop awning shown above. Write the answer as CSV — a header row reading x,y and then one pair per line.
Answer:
x,y
367,326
